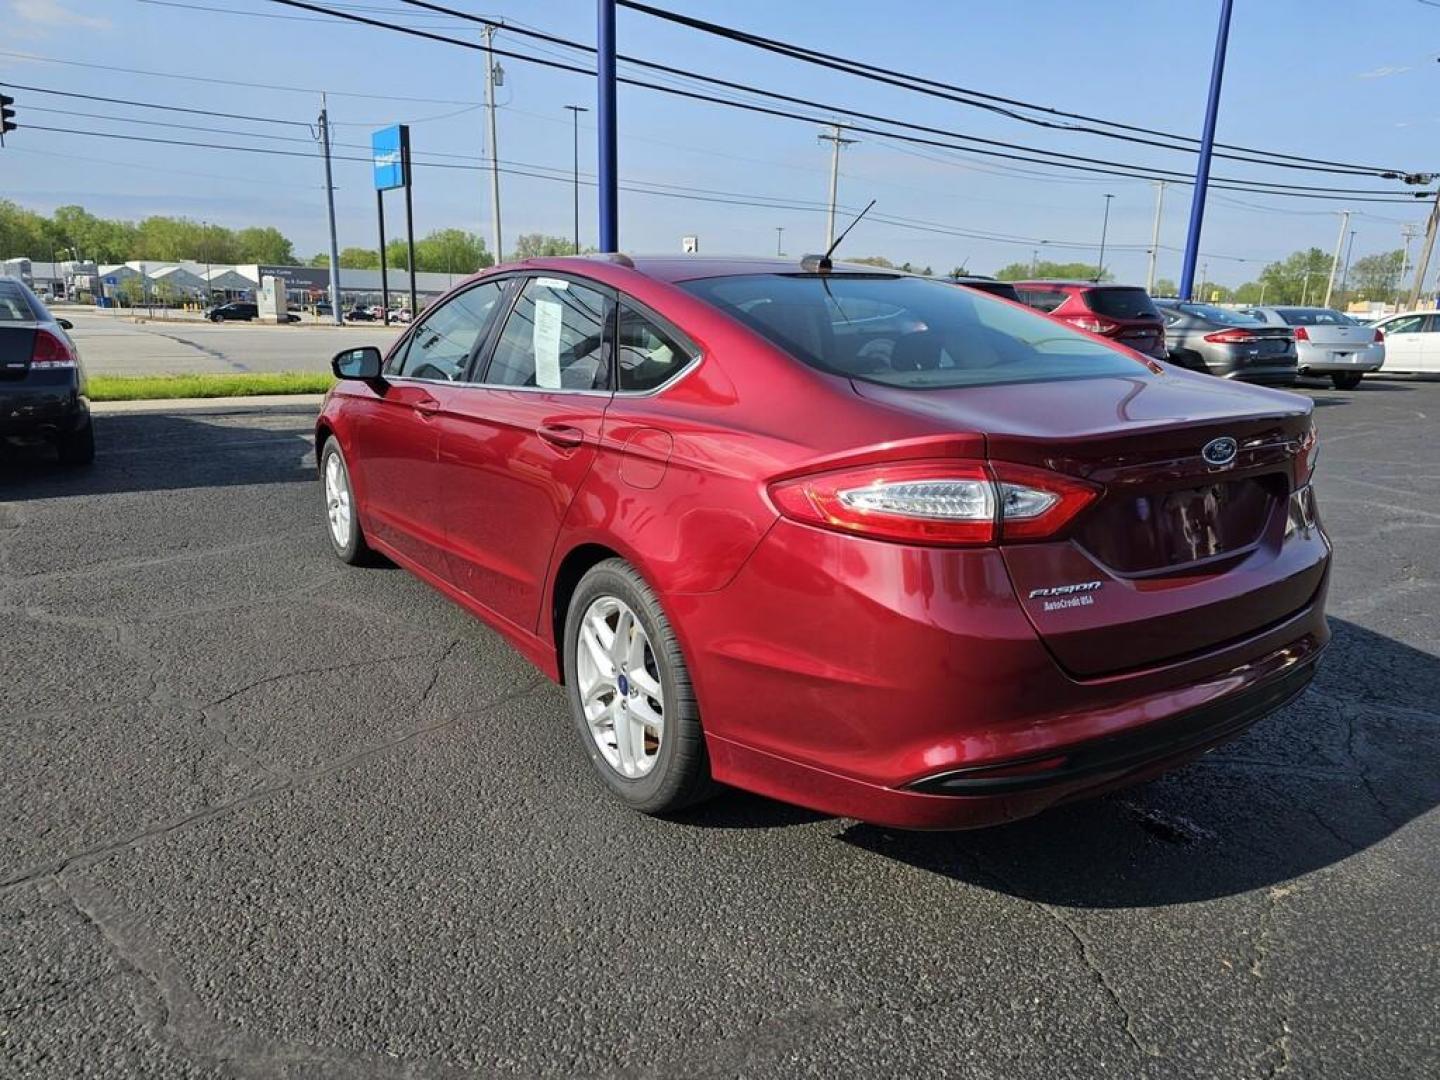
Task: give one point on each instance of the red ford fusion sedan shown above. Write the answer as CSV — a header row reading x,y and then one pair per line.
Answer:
x,y
856,540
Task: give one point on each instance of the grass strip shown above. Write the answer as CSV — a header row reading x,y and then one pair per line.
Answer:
x,y
239,384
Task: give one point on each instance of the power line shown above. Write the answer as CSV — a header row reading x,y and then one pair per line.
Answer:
x,y
150,105
876,73
1071,161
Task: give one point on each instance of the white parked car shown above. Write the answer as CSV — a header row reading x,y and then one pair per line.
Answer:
x,y
1412,341
1329,342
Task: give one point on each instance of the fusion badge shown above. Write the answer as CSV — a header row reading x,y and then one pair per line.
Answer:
x,y
1059,597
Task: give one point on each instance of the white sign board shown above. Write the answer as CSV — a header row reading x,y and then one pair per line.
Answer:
x,y
690,245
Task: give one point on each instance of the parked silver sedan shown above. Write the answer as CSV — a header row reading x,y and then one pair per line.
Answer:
x,y
1329,342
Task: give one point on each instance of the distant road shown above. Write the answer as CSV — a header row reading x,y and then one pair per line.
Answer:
x,y
120,345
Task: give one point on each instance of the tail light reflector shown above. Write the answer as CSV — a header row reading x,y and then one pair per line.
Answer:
x,y
1091,323
51,351
1301,334
945,503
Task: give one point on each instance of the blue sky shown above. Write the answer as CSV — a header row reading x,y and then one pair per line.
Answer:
x,y
1315,77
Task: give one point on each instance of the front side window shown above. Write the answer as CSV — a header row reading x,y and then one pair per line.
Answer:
x,y
554,339
1406,324
648,355
910,332
441,345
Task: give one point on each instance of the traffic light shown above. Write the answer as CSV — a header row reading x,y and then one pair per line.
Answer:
x,y
7,116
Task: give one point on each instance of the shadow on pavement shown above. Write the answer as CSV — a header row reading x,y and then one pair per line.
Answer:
x,y
163,451
1355,759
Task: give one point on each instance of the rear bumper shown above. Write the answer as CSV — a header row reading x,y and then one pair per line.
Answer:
x,y
1318,360
43,406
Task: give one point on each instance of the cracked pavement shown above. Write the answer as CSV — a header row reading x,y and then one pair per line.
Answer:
x,y
265,815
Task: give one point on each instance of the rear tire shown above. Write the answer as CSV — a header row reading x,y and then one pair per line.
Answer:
x,y
639,676
77,447
1347,380
342,515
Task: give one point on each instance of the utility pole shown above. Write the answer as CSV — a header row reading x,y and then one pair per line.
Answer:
x,y
494,75
1204,278
1422,265
835,140
1207,149
1407,234
1345,276
1104,228
1155,236
779,240
330,206
575,111
1335,259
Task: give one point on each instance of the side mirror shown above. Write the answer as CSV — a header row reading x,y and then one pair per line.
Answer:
x,y
362,363
65,324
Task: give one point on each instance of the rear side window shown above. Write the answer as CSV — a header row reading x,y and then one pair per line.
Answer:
x,y
442,344
1223,316
648,356
554,339
1407,324
1121,303
995,288
909,332
1042,299
14,304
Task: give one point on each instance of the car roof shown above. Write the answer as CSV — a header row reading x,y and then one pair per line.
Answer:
x,y
675,268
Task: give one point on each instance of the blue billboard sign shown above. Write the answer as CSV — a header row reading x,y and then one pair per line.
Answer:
x,y
390,149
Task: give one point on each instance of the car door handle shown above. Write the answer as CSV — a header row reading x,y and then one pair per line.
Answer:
x,y
561,435
426,407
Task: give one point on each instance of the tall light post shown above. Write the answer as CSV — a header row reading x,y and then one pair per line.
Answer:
x,y
1104,228
1345,274
779,238
575,111
1207,149
494,76
205,239
1035,258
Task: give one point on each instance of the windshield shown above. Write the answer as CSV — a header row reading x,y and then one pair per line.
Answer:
x,y
14,304
1121,303
1224,316
909,332
1313,317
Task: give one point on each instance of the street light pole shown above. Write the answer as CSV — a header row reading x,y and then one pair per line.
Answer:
x,y
1335,259
491,71
1345,276
1207,149
205,236
575,111
779,238
1155,236
1104,228
835,140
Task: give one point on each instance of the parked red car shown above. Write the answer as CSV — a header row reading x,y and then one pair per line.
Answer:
x,y
1123,313
861,541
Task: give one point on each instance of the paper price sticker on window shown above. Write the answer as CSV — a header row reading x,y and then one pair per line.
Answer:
x,y
558,284
546,340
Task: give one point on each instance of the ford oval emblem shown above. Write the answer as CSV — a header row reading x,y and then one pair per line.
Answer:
x,y
1220,451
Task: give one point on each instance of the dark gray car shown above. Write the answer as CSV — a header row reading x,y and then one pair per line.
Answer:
x,y
1227,343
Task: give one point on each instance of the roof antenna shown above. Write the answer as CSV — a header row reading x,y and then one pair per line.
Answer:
x,y
821,264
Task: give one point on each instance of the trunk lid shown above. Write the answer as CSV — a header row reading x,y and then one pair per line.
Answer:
x,y
1180,554
17,343
1356,337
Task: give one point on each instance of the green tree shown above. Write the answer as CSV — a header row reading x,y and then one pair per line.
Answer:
x,y
23,233
539,246
1022,271
1299,278
874,260
262,244
1376,277
358,258
1166,287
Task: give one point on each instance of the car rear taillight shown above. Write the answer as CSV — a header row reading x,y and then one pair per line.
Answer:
x,y
51,351
1230,337
1301,334
947,503
1307,458
1091,323
1379,335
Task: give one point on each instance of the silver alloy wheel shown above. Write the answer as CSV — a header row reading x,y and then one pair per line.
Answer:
x,y
620,687
337,501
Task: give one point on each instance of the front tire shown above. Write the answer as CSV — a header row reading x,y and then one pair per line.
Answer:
x,y
342,517
630,693
1347,380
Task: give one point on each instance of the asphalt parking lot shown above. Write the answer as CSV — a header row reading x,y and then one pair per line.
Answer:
x,y
267,815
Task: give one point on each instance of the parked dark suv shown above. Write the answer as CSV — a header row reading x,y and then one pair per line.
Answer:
x,y
1231,344
1122,313
239,310
993,286
42,385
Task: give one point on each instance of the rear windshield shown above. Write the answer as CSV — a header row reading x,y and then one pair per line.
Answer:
x,y
1121,303
1040,298
1299,316
14,304
1224,316
909,332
